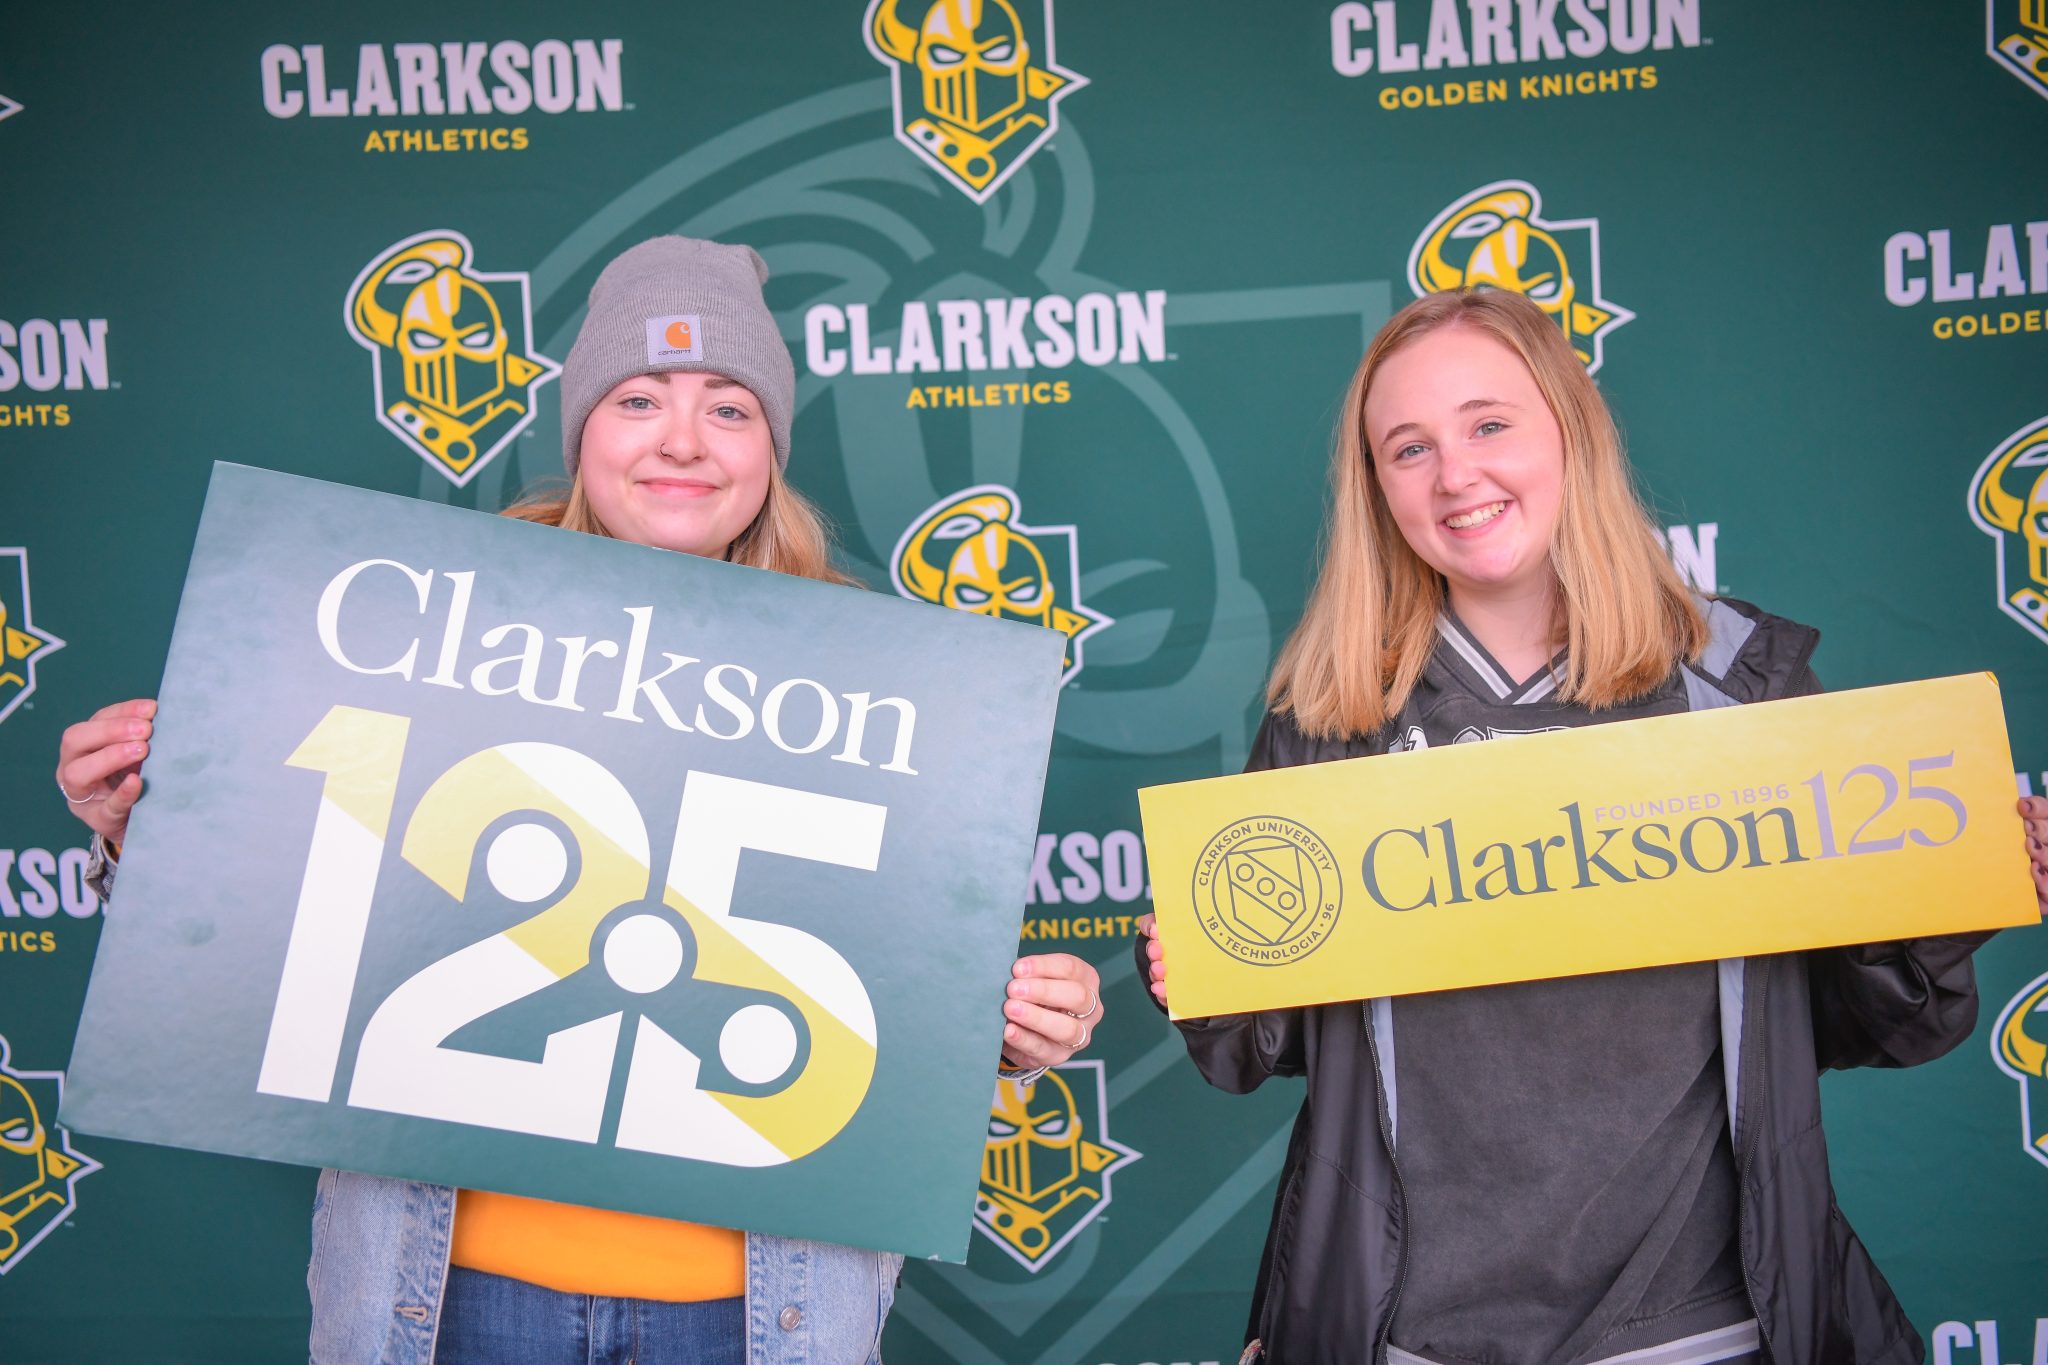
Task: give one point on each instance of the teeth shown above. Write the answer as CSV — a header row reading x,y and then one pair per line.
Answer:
x,y
1479,516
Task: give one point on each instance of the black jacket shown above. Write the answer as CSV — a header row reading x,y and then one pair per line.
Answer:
x,y
1334,1255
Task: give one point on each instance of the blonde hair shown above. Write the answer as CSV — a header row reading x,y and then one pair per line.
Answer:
x,y
789,534
1626,617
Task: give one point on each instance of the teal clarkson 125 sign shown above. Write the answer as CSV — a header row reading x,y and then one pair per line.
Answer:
x,y
493,855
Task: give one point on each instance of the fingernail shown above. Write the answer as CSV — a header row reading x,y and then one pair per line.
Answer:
x,y
138,749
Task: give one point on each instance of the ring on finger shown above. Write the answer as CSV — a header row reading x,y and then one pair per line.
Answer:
x,y
1094,1002
80,800
1086,1034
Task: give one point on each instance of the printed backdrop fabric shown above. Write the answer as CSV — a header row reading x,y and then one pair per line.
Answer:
x,y
1089,286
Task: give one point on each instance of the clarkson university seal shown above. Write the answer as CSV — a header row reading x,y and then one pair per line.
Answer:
x,y
1268,890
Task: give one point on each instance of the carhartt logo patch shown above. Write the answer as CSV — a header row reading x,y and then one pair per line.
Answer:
x,y
675,338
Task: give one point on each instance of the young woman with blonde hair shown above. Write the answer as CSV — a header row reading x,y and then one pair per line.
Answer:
x,y
1626,1166
683,447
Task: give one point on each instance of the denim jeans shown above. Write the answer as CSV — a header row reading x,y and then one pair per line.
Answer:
x,y
492,1320
380,1256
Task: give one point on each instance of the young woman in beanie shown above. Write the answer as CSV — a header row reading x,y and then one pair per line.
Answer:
x,y
677,399
1625,1166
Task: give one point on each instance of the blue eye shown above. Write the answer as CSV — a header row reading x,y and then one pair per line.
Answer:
x,y
1405,451
636,402
731,413
1490,426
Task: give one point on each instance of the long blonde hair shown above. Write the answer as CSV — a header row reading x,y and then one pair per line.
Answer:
x,y
789,534
1626,617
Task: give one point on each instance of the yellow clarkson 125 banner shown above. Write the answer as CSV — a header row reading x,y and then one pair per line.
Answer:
x,y
1854,817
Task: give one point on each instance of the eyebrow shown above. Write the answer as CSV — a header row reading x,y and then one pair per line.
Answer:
x,y
1469,405
714,381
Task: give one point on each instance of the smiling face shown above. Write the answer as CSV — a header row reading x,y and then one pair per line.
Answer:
x,y
1471,462
678,460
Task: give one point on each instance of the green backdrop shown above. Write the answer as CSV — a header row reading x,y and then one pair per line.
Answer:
x,y
1801,242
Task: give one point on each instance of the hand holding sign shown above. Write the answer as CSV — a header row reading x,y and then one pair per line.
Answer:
x,y
1053,1006
2034,815
1155,957
99,765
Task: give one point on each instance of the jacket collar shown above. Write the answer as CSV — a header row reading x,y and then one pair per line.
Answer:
x,y
1467,660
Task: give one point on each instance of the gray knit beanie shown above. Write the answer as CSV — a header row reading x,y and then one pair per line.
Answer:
x,y
678,303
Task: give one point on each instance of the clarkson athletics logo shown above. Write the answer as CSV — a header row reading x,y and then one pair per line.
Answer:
x,y
2009,503
976,90
2016,36
972,551
22,644
451,355
1045,1171
1497,236
2019,1044
39,1168
1271,890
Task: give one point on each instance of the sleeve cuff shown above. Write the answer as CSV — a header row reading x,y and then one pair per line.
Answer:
x,y
99,867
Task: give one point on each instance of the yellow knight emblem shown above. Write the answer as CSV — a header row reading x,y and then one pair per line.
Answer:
x,y
22,644
450,349
2009,502
39,1169
1045,1172
2019,1043
1497,237
976,87
2018,33
971,551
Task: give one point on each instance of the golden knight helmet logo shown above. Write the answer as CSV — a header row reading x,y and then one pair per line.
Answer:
x,y
2019,1044
22,645
1496,236
2009,503
1045,1170
38,1167
976,89
972,551
455,342
2016,37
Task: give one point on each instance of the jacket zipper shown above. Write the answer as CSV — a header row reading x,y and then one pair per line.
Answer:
x,y
1748,1139
1372,1047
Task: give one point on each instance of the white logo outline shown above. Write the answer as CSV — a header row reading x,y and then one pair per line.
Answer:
x,y
27,626
550,369
1074,81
